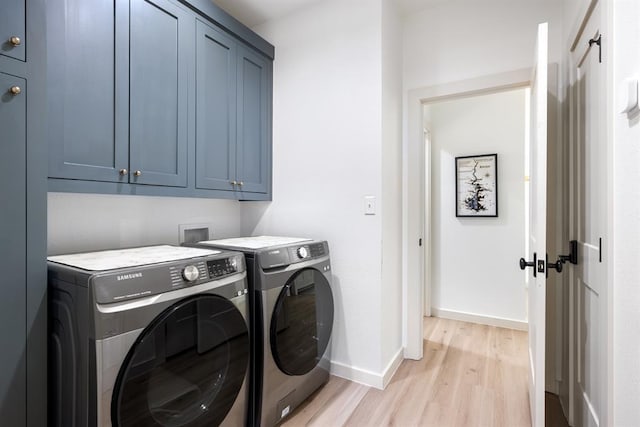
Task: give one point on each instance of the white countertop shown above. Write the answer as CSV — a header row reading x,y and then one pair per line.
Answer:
x,y
122,258
256,242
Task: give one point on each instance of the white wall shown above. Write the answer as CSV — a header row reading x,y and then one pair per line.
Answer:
x,y
626,235
391,201
459,40
474,260
327,155
88,222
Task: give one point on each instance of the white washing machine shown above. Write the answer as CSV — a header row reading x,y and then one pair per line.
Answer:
x,y
292,319
152,336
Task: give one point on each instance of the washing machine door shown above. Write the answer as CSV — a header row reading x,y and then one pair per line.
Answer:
x,y
301,322
186,368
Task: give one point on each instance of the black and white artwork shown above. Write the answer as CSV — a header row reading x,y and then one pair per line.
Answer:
x,y
477,186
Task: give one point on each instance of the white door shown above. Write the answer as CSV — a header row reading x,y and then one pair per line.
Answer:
x,y
589,227
538,229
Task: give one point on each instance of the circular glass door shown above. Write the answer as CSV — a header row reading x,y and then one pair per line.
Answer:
x,y
301,322
186,368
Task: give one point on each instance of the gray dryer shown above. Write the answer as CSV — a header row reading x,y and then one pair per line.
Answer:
x,y
292,319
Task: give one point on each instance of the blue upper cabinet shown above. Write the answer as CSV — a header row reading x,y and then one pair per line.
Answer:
x,y
87,94
233,115
159,64
157,97
12,29
254,122
216,63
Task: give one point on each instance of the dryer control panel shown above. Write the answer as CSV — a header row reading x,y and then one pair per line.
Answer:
x,y
283,256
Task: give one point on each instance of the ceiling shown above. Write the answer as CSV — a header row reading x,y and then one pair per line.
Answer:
x,y
256,12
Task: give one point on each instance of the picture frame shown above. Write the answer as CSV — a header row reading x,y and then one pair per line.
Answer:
x,y
477,186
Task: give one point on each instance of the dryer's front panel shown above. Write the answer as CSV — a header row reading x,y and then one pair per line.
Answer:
x,y
186,368
301,322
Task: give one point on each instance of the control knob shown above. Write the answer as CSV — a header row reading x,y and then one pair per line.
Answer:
x,y
190,273
302,252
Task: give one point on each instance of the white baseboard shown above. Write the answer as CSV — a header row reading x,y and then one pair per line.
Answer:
x,y
392,367
482,320
368,378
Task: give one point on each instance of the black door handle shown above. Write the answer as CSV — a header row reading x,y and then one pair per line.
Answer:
x,y
573,253
524,263
557,266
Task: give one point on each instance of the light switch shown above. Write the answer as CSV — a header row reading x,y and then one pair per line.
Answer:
x,y
629,96
369,205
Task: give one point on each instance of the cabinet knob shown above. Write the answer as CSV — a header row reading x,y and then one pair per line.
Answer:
x,y
234,182
137,173
123,172
241,183
15,90
15,40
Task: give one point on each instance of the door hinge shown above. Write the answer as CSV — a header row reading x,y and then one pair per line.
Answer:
x,y
597,41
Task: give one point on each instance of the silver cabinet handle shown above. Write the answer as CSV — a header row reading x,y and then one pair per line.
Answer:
x,y
15,40
123,172
234,182
137,173
241,183
15,90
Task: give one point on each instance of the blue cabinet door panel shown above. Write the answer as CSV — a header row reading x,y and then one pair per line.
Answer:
x,y
215,109
87,139
12,24
13,248
254,79
158,92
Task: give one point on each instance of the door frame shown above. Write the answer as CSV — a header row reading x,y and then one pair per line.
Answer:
x,y
416,195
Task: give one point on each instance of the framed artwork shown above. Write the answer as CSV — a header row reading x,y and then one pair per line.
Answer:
x,y
477,186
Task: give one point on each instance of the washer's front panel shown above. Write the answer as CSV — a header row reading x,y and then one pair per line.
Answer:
x,y
110,353
186,369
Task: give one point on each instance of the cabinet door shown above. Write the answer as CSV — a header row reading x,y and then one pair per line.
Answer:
x,y
159,41
12,29
215,109
13,236
87,93
254,115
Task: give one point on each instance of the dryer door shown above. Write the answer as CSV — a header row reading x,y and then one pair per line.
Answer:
x,y
186,368
301,322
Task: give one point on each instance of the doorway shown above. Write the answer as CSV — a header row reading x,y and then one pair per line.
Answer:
x,y
467,277
418,195
414,191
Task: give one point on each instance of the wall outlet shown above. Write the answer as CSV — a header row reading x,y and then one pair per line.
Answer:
x,y
193,233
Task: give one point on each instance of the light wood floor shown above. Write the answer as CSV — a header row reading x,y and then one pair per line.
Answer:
x,y
471,375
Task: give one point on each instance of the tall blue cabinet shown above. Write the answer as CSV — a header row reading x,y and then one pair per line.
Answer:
x,y
23,160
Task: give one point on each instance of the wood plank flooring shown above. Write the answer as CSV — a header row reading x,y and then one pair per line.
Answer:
x,y
471,375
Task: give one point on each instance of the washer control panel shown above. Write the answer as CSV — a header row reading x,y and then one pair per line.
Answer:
x,y
189,273
222,267
302,252
127,284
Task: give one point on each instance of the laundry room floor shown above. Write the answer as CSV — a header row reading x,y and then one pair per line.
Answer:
x,y
471,375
